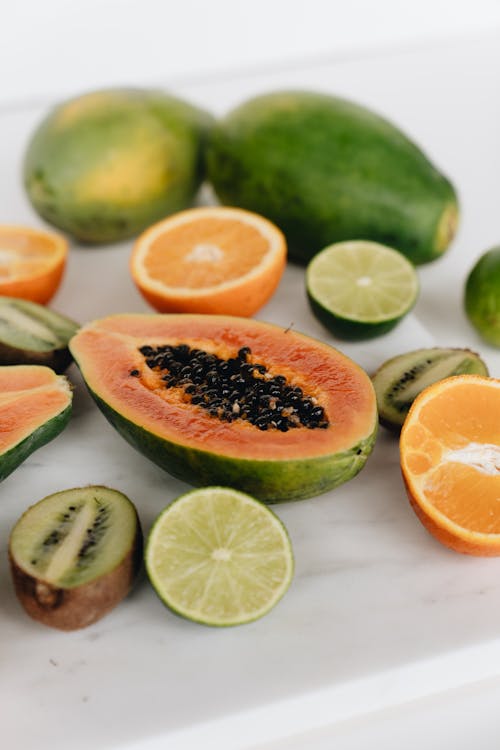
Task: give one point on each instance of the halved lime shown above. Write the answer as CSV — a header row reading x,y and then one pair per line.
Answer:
x,y
217,556
360,289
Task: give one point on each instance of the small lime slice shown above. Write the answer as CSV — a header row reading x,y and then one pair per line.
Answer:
x,y
360,289
219,557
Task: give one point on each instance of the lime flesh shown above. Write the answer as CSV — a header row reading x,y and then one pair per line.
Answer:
x,y
219,557
361,289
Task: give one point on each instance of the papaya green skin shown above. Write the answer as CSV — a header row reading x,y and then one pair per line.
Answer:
x,y
13,457
269,481
326,170
165,138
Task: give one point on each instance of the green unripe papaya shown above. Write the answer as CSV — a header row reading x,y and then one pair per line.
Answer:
x,y
326,170
105,165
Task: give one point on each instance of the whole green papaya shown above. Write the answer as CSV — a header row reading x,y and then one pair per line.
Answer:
x,y
326,170
105,165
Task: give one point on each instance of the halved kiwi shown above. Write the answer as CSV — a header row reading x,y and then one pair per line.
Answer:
x,y
399,380
74,555
31,334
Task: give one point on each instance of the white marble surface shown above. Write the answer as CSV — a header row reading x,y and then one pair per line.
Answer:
x,y
378,613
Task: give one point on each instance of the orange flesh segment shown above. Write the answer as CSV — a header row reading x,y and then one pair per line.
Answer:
x,y
210,260
25,254
458,416
466,496
32,263
205,253
108,350
450,452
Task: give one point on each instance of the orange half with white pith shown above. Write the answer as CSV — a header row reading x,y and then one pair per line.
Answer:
x,y
450,460
224,261
32,263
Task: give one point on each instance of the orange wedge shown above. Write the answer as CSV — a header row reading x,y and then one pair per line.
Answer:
x,y
450,459
32,263
209,260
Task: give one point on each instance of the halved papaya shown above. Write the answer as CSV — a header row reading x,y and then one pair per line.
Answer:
x,y
231,401
35,406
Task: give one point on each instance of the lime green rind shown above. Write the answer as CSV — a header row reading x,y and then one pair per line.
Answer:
x,y
326,170
271,481
212,623
13,457
482,296
350,330
360,289
165,134
194,617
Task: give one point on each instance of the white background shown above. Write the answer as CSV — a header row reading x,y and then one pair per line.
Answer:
x,y
52,48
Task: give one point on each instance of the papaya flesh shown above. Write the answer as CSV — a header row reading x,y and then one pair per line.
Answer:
x,y
327,170
35,406
239,403
105,165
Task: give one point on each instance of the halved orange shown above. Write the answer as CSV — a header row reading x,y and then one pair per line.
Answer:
x,y
450,459
32,263
218,260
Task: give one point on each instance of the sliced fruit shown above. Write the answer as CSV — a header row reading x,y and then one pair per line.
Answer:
x,y
399,380
74,555
35,406
326,170
33,334
450,459
360,289
105,165
482,296
219,557
224,400
32,263
209,260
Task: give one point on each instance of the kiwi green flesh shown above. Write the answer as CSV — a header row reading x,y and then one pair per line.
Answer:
x,y
31,327
73,537
399,380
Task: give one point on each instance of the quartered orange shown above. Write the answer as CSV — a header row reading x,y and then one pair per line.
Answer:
x,y
450,459
225,261
32,263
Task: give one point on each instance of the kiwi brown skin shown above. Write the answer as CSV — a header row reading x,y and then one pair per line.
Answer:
x,y
391,426
58,359
79,606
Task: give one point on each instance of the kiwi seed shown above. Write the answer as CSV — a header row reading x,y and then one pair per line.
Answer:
x,y
399,380
74,555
